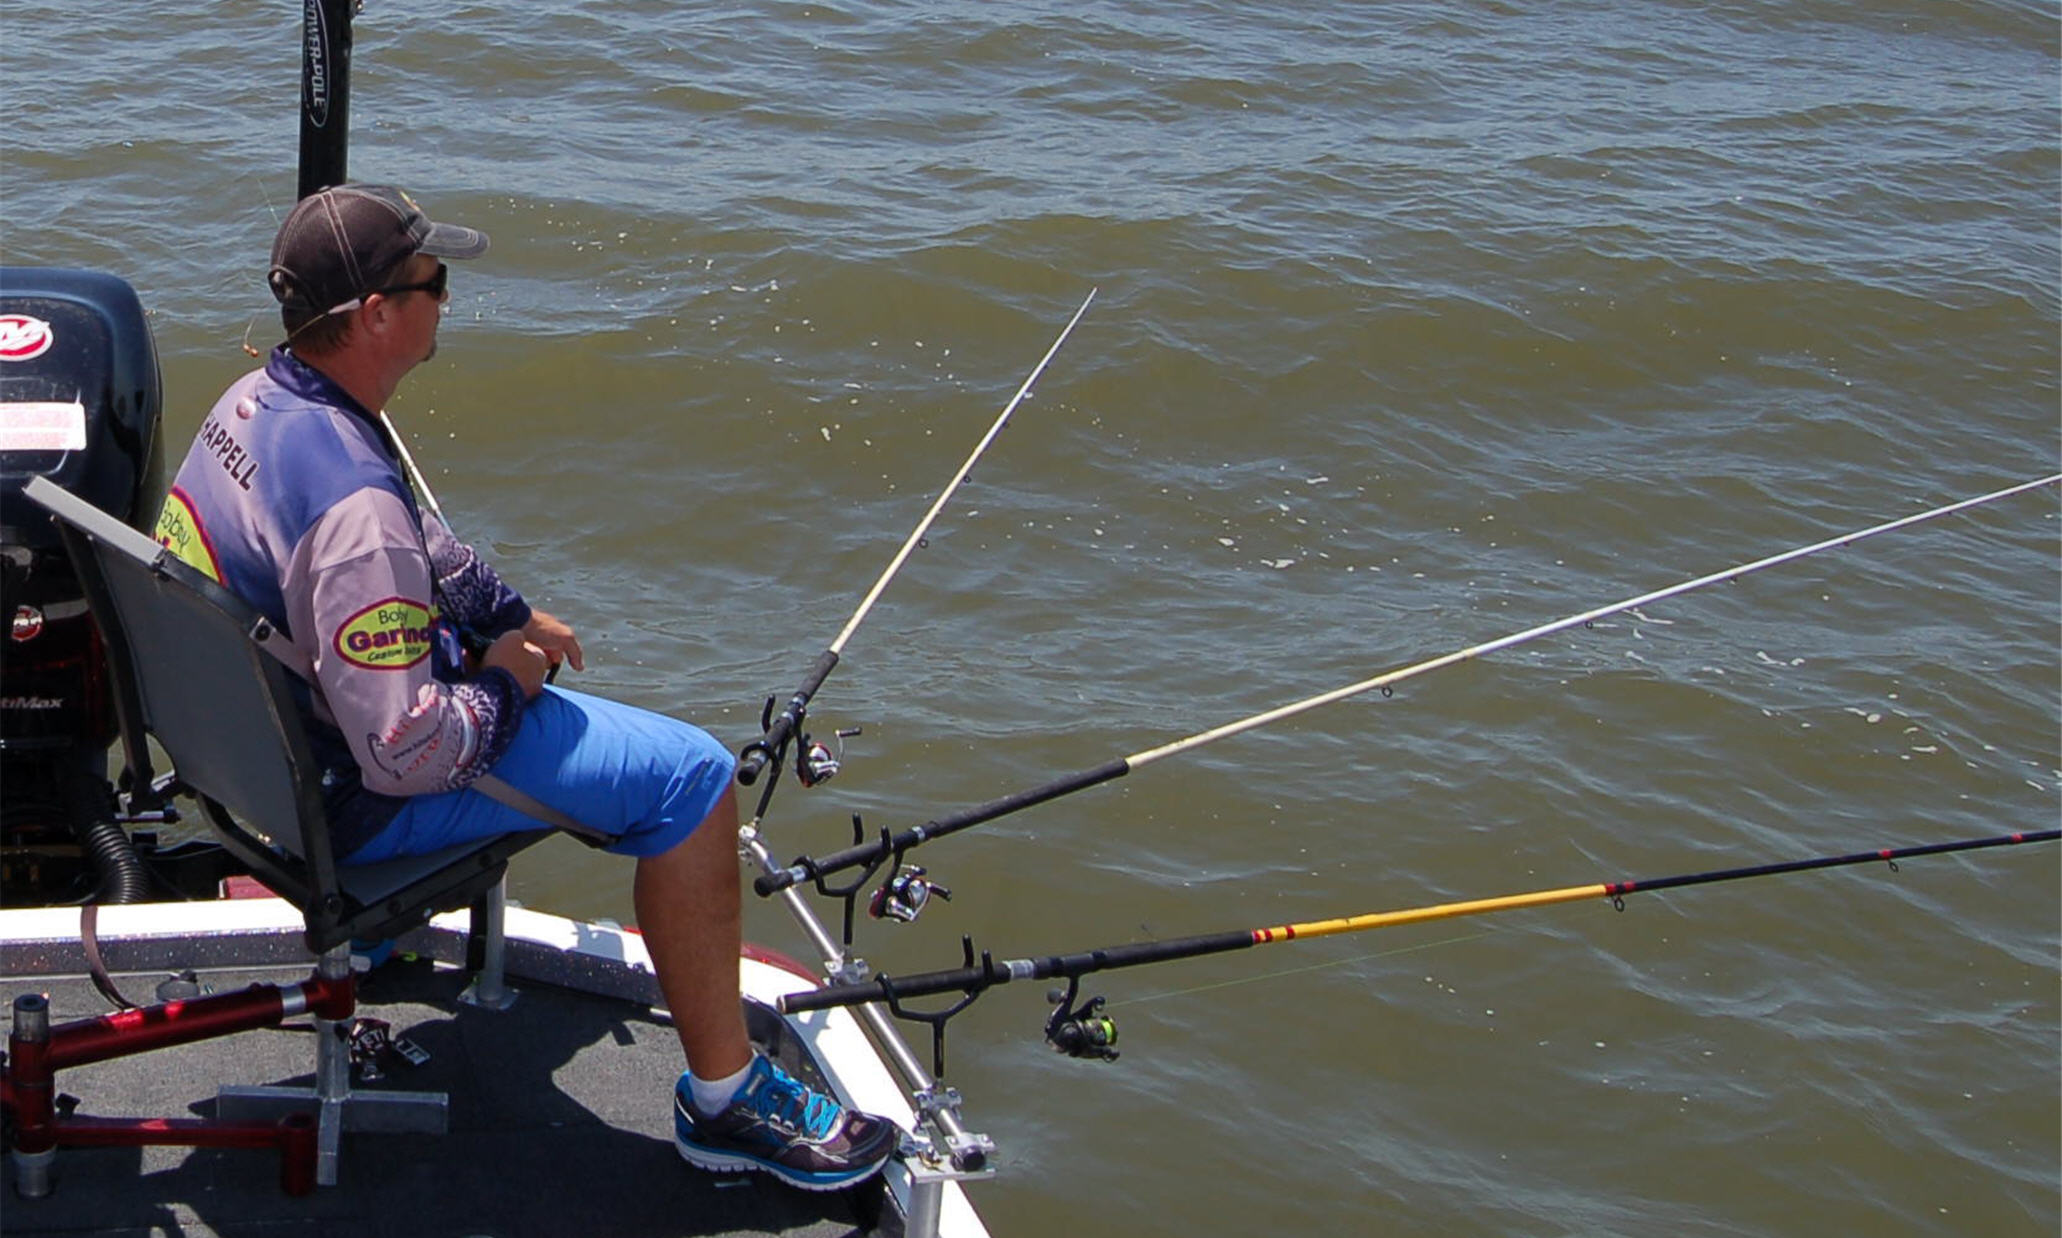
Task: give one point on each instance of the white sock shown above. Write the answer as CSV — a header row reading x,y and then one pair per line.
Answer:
x,y
710,1096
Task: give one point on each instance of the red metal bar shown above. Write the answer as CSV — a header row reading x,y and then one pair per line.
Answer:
x,y
146,1028
33,1061
332,997
293,1135
83,1132
183,1022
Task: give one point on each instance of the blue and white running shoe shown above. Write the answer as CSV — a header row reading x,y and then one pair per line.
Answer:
x,y
779,1125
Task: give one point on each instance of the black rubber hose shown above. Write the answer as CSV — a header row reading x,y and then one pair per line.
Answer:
x,y
122,876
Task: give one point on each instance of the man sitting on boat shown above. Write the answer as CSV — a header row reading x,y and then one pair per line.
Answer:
x,y
293,497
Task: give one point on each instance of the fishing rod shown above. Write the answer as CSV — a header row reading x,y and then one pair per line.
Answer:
x,y
429,496
422,484
886,847
1083,1031
778,731
938,1108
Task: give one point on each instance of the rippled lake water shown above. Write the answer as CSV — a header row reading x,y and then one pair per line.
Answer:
x,y
1418,324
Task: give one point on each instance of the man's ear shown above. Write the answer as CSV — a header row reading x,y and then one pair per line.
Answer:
x,y
376,315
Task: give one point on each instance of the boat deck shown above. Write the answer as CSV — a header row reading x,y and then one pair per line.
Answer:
x,y
560,1126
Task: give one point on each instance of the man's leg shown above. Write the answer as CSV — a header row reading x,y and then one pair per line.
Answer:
x,y
758,1117
663,787
689,907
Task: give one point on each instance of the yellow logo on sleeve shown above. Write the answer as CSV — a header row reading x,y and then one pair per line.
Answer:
x,y
179,531
386,636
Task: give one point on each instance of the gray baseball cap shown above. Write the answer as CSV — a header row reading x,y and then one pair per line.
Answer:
x,y
338,244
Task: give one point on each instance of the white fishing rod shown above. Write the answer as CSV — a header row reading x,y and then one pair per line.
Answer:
x,y
967,1151
1561,625
429,496
769,746
422,484
874,853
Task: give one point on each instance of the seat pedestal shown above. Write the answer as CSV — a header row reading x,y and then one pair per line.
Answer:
x,y
336,1105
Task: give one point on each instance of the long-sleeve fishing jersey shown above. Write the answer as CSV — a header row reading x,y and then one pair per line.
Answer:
x,y
292,498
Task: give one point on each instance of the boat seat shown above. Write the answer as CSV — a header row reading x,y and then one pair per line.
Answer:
x,y
192,670
224,710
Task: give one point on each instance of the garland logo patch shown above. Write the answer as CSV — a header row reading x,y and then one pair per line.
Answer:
x,y
386,636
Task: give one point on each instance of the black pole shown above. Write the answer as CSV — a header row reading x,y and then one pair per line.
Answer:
x,y
806,868
1888,855
988,973
325,93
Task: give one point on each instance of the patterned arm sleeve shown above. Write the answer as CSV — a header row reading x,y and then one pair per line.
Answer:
x,y
359,599
477,597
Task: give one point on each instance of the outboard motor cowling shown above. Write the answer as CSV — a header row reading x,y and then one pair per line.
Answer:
x,y
79,403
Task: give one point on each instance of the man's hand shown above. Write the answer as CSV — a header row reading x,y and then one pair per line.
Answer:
x,y
551,634
520,658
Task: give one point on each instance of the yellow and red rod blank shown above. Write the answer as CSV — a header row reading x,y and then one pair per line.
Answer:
x,y
988,972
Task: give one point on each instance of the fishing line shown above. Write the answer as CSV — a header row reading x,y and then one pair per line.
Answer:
x,y
778,731
806,868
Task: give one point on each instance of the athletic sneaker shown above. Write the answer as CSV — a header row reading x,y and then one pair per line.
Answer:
x,y
779,1125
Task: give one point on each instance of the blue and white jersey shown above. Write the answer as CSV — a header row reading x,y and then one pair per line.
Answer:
x,y
292,499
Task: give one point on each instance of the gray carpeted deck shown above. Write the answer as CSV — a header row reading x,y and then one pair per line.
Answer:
x,y
561,1127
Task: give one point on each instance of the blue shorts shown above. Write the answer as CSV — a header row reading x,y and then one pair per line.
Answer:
x,y
644,777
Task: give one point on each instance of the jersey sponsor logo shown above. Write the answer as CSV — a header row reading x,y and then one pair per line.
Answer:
x,y
427,733
391,635
179,531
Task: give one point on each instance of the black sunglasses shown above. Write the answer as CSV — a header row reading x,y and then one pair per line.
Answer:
x,y
438,285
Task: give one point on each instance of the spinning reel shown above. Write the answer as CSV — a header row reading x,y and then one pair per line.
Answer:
x,y
1083,1031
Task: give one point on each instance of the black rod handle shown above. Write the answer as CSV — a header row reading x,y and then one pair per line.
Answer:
x,y
988,973
807,869
752,761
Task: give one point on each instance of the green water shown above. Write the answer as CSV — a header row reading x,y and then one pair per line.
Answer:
x,y
1418,325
